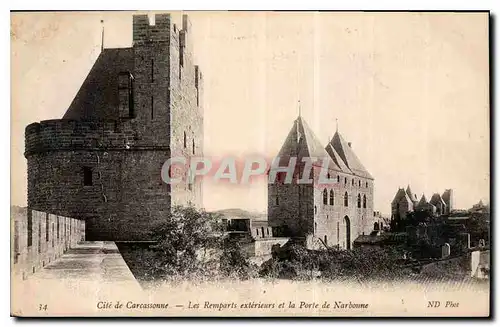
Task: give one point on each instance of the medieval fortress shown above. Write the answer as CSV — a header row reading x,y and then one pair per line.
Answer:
x,y
330,215
139,106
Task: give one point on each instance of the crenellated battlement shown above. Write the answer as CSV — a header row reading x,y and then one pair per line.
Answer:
x,y
144,31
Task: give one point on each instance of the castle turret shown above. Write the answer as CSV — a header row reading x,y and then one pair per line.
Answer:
x,y
448,199
136,108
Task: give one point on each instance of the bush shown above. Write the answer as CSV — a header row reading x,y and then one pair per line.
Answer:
x,y
234,263
362,263
189,244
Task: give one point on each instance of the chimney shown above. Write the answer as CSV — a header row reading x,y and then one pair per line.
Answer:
x,y
349,144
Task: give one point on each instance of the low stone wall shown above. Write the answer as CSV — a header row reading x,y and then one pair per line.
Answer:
x,y
470,264
263,246
42,241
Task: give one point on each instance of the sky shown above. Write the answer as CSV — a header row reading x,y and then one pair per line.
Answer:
x,y
409,90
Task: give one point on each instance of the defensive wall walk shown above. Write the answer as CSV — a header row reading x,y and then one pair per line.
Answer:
x,y
81,279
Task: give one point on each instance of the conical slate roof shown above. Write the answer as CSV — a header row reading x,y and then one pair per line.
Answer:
x,y
399,194
423,202
337,159
411,195
302,142
348,156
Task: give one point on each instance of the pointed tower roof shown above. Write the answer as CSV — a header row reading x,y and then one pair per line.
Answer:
x,y
423,202
337,159
399,194
412,196
302,142
348,156
436,198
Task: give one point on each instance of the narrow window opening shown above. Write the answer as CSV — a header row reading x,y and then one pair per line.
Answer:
x,y
181,56
152,108
194,147
126,95
47,227
346,199
30,228
325,196
152,71
87,176
364,201
359,201
40,236
185,140
332,200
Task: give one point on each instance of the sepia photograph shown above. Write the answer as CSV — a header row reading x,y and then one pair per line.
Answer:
x,y
250,164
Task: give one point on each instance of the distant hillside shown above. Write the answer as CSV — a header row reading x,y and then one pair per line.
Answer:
x,y
240,213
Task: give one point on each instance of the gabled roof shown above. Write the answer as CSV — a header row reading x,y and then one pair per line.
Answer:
x,y
302,142
436,198
423,202
97,97
412,196
348,156
337,159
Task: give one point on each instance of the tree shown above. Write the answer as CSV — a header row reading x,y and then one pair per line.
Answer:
x,y
182,239
189,244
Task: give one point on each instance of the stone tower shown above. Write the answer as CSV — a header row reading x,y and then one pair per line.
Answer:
x,y
332,214
137,107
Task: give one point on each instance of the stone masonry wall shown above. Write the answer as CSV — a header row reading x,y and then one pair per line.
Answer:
x,y
186,95
126,192
125,156
51,236
308,216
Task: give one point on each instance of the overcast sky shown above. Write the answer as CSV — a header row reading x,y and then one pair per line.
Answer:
x,y
410,90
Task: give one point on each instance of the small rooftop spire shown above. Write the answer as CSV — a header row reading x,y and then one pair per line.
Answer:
x,y
336,125
299,108
102,35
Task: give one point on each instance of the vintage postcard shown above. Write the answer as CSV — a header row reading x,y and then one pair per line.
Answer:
x,y
271,164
